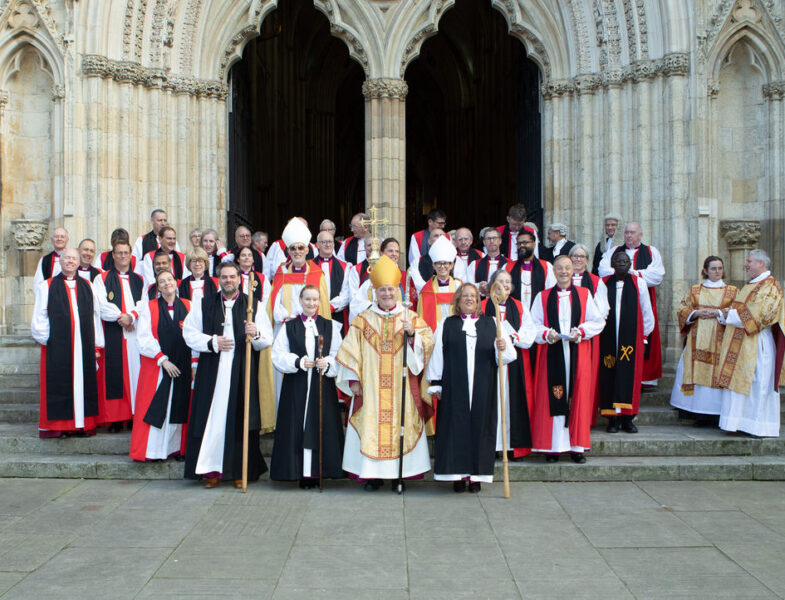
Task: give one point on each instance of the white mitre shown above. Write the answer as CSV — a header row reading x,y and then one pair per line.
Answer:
x,y
442,250
296,232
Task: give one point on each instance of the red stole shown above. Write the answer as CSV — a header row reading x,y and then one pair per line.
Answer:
x,y
582,395
430,299
312,276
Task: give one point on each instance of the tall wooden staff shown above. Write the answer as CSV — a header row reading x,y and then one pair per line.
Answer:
x,y
404,371
247,402
496,292
321,426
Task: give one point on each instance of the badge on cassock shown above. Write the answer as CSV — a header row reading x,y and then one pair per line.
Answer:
x,y
110,296
558,391
609,361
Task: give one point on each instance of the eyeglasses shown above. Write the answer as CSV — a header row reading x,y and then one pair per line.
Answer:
x,y
325,241
440,224
583,256
529,243
296,248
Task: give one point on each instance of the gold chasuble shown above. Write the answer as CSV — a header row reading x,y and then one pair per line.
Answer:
x,y
373,351
759,305
704,336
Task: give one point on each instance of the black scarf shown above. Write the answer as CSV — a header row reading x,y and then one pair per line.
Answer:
x,y
149,243
481,270
588,282
177,265
114,360
617,364
505,245
47,264
170,338
184,289
537,281
152,292
363,271
60,350
350,250
336,273
642,257
560,399
425,267
107,264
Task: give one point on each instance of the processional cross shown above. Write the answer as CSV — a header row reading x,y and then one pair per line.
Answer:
x,y
372,222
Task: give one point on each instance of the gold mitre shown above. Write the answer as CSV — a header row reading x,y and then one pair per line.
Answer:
x,y
385,272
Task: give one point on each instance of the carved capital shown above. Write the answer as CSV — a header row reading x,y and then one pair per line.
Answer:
x,y
740,234
774,90
384,87
587,84
58,93
712,88
29,234
613,78
556,89
676,63
4,98
643,70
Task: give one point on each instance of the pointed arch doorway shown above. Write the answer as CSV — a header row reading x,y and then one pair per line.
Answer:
x,y
296,125
473,123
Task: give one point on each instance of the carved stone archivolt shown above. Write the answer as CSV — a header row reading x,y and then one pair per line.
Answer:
x,y
385,88
135,74
740,234
29,234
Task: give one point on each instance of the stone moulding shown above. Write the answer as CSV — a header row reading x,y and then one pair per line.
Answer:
x,y
29,234
675,64
94,65
385,88
740,233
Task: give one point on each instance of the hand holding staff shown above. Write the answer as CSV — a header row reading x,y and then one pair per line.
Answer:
x,y
496,293
247,399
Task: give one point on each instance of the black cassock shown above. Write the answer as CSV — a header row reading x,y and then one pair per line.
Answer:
x,y
290,435
204,388
466,437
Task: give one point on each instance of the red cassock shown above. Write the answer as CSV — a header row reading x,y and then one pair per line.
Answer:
x,y
582,403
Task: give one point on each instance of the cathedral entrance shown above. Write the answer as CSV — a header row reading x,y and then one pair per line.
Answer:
x,y
296,137
473,142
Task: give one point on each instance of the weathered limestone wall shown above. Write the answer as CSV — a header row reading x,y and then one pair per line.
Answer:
x,y
669,112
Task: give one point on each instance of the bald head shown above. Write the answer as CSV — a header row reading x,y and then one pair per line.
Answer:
x,y
69,261
633,233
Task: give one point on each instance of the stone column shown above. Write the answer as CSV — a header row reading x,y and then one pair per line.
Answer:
x,y
385,154
741,236
773,236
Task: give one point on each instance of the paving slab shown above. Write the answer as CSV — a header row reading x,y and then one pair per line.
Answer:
x,y
26,552
9,580
22,496
123,573
683,573
303,593
762,559
141,528
685,496
730,526
185,589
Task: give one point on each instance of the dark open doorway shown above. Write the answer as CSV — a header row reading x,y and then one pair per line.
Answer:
x,y
473,141
296,126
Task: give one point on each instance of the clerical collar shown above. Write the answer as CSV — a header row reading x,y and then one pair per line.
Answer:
x,y
463,253
494,258
81,268
299,269
527,266
713,284
122,274
56,253
635,248
232,299
443,283
320,258
245,273
471,316
306,318
562,290
760,277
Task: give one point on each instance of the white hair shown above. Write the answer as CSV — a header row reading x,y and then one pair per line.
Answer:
x,y
759,254
560,227
612,217
577,247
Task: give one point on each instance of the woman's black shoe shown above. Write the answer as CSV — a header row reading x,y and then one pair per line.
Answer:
x,y
306,484
459,487
373,485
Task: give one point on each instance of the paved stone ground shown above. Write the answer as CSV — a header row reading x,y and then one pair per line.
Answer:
x,y
167,539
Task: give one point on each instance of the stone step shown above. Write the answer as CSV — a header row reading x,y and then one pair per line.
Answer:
x,y
22,396
668,440
608,468
19,381
19,413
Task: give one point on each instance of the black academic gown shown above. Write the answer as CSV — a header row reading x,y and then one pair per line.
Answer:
x,y
466,438
204,388
290,437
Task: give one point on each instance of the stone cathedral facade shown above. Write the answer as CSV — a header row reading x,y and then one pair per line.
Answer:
x,y
668,112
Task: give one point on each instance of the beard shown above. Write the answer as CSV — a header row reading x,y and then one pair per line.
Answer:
x,y
527,252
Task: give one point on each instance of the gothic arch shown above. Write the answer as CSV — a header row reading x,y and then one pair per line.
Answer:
x,y
768,53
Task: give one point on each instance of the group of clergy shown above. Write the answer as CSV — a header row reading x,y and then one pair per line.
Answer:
x,y
162,341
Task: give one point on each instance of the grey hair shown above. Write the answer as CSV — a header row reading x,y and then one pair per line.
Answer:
x,y
612,217
579,247
328,221
496,275
560,227
532,226
259,235
212,232
156,211
759,254
193,231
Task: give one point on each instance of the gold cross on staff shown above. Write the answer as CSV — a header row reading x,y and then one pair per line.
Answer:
x,y
374,220
371,223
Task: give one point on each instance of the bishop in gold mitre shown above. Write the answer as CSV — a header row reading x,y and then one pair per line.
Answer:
x,y
370,363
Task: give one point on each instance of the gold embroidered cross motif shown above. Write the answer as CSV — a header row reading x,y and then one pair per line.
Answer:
x,y
626,353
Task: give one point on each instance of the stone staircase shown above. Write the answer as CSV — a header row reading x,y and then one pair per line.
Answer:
x,y
664,449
